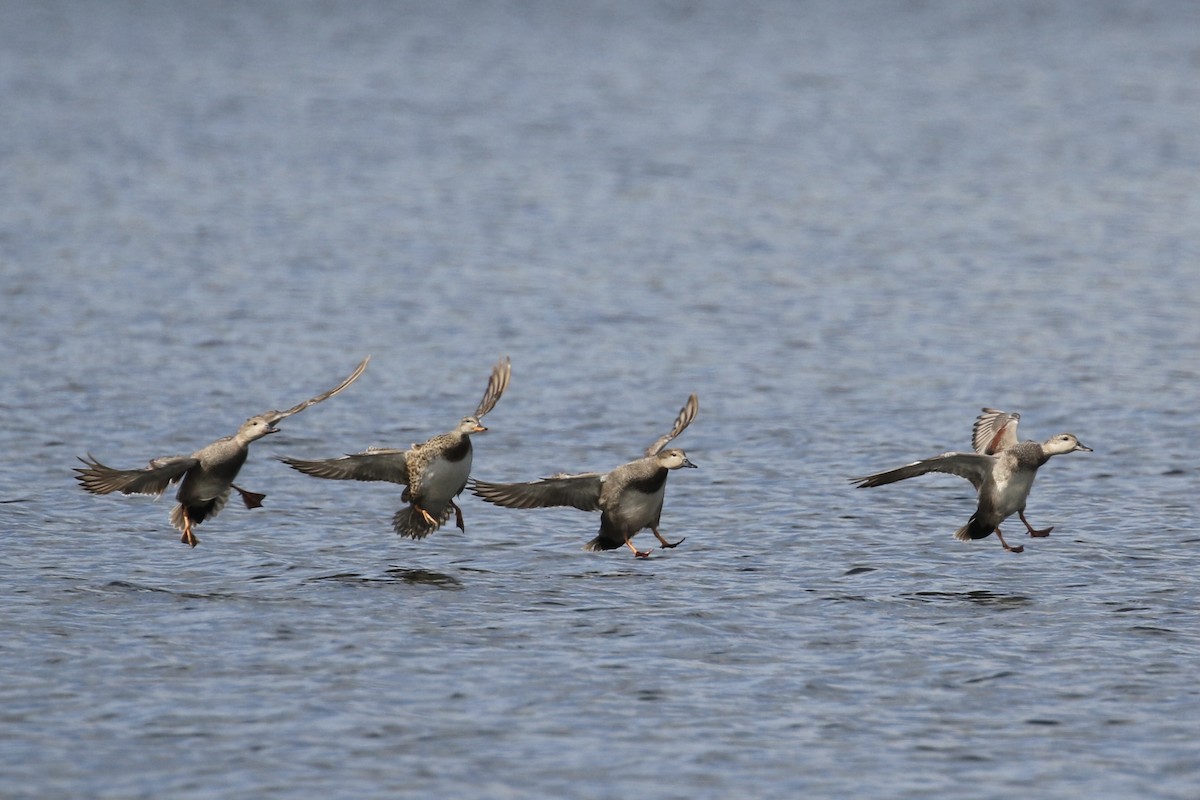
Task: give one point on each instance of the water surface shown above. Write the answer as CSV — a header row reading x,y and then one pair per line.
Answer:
x,y
846,227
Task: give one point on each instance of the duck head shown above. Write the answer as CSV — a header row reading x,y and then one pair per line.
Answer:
x,y
1064,443
674,458
256,428
470,425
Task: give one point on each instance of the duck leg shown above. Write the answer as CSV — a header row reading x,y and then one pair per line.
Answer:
x,y
664,542
433,522
636,552
251,499
458,517
188,537
1018,549
1033,531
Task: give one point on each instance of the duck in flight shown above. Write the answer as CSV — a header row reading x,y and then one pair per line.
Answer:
x,y
206,476
1001,469
629,498
432,473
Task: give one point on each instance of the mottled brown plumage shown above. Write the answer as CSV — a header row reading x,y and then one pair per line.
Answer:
x,y
433,472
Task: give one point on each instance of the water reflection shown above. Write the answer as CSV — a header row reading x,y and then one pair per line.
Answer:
x,y
977,596
425,577
421,577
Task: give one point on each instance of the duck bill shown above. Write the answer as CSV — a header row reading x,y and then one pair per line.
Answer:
x,y
688,463
479,429
1083,447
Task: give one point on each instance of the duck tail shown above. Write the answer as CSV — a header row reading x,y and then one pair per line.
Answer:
x,y
974,529
410,523
600,543
195,513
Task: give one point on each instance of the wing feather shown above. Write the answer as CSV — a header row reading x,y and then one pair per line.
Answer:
x,y
686,415
975,467
376,464
994,431
580,491
275,416
497,383
151,479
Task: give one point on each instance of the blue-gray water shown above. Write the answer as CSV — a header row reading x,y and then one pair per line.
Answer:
x,y
847,227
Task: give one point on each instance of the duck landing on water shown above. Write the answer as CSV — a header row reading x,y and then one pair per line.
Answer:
x,y
1001,469
206,476
629,498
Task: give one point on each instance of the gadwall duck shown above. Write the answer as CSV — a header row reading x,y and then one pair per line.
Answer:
x,y
433,472
206,476
1001,469
629,498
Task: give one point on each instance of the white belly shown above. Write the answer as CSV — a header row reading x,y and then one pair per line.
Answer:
x,y
1010,492
441,481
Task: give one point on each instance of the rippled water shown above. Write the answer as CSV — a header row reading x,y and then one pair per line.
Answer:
x,y
845,226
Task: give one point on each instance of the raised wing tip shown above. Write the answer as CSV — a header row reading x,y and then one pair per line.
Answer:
x,y
275,416
994,430
497,384
682,420
358,371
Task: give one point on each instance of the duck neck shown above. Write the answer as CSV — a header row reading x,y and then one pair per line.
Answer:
x,y
460,449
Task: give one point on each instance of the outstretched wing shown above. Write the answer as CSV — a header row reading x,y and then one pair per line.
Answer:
x,y
686,415
497,383
275,416
151,479
376,464
994,431
578,491
975,467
